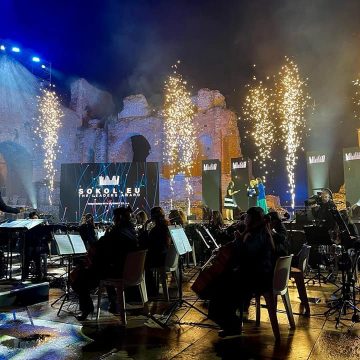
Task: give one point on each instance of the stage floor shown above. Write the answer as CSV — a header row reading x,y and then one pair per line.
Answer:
x,y
53,337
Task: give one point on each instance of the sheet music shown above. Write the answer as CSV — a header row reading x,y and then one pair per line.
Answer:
x,y
100,233
63,245
180,240
78,244
22,224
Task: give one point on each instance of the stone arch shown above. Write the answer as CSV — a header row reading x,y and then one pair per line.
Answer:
x,y
135,147
17,172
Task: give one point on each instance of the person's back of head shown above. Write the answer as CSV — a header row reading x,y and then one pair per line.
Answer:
x,y
89,219
217,219
158,215
141,217
255,218
33,215
122,216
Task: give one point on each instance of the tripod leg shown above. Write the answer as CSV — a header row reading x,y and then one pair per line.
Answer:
x,y
66,297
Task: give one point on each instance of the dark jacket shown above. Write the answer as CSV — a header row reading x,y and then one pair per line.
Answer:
x,y
87,233
6,208
158,245
110,251
279,235
256,261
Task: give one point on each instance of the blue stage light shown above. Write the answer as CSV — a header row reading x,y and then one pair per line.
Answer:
x,y
43,66
15,49
35,59
2,47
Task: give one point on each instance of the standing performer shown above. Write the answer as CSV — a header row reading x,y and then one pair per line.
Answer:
x,y
229,203
261,199
252,193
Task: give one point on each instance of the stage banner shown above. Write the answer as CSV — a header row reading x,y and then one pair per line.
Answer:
x,y
351,161
211,184
241,170
101,187
317,163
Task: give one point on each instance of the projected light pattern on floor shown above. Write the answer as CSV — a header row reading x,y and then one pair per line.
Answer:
x,y
43,340
99,188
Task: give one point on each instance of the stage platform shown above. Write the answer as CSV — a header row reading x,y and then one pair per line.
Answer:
x,y
22,293
63,337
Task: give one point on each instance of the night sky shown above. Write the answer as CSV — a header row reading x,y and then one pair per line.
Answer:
x,y
128,46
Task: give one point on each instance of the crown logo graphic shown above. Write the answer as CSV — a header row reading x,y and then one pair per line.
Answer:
x,y
352,156
317,159
106,181
208,167
239,165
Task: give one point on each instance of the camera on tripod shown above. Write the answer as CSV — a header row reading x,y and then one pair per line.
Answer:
x,y
314,200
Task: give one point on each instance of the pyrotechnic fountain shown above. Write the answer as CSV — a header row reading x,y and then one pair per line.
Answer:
x,y
180,136
292,103
259,110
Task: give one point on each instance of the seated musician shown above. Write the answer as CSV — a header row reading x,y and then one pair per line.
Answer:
x,y
106,259
279,234
158,243
218,229
177,217
250,272
87,230
322,213
36,245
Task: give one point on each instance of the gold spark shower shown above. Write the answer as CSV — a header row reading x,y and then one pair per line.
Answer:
x,y
292,103
48,124
180,135
258,109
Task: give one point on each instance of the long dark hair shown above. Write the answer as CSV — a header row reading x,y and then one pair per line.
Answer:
x,y
256,220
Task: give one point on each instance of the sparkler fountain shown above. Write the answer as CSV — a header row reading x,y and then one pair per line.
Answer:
x,y
292,103
180,137
259,110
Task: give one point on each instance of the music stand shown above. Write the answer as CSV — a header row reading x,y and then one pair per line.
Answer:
x,y
68,245
211,237
182,246
20,226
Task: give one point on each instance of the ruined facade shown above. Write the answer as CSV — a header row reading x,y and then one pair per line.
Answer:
x,y
92,132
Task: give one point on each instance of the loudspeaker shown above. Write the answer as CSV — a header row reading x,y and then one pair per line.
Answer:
x,y
351,161
317,171
241,172
211,184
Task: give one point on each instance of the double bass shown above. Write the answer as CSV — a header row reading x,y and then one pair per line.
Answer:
x,y
219,263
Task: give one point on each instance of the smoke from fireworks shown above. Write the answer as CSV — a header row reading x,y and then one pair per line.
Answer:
x,y
292,103
180,134
48,124
258,109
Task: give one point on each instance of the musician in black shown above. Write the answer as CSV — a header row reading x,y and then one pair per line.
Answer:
x,y
249,272
279,234
87,230
322,211
106,259
8,209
